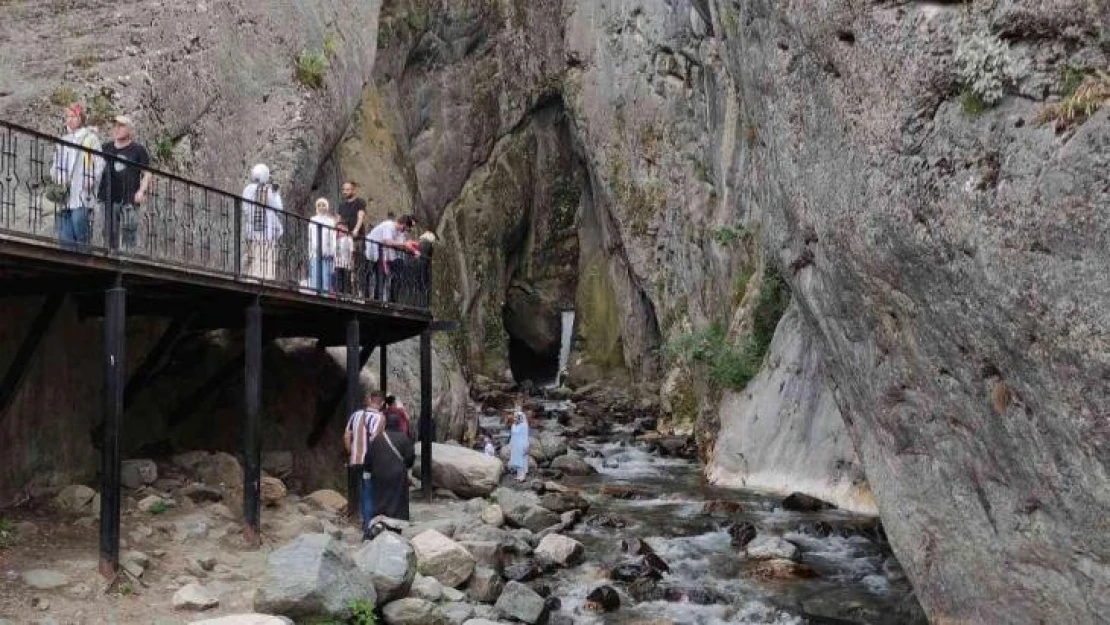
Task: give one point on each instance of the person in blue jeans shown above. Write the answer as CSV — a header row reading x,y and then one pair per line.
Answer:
x,y
362,426
78,172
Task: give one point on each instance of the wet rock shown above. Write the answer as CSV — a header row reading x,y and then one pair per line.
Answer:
x,y
195,597
606,520
800,502
245,619
152,504
74,498
534,518
521,603
137,473
486,553
523,571
770,548
44,579
390,561
573,464
482,621
485,585
603,599
413,611
328,501
311,577
722,507
457,612
631,570
445,526
778,569
618,491
506,539
272,491
453,594
741,534
426,588
493,515
465,472
550,446
677,446
559,550
645,589
563,502
442,558
841,605
611,463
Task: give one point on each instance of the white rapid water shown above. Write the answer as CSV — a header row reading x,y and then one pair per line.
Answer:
x,y
564,344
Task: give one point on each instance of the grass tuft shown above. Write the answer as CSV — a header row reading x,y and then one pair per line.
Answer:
x,y
1083,101
309,69
971,104
63,97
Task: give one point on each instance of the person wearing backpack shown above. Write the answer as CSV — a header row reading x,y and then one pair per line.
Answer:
x,y
262,215
76,177
362,427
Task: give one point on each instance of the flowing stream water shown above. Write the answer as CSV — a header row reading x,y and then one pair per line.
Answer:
x,y
855,579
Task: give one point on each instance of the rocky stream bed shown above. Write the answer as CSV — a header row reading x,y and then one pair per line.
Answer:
x,y
614,525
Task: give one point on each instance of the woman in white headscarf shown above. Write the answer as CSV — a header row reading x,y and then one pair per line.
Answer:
x,y
518,441
262,215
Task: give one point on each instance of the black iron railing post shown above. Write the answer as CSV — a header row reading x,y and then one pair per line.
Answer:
x,y
426,413
237,230
252,447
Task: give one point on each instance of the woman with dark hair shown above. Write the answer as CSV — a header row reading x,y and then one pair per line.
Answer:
x,y
388,459
393,407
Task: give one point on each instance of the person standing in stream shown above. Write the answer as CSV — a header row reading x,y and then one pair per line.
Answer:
x,y
518,441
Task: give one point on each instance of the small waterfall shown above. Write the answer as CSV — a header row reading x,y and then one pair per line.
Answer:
x,y
564,345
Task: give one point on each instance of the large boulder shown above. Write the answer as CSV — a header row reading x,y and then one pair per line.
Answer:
x,y
442,558
137,473
272,490
564,502
573,464
465,472
390,561
771,548
195,597
413,611
530,317
75,498
558,550
311,577
328,500
521,603
550,445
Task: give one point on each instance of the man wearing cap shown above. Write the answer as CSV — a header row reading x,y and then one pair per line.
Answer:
x,y
125,187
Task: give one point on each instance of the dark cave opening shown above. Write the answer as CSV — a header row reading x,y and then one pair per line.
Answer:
x,y
527,364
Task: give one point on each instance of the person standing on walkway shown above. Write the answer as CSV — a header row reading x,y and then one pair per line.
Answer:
x,y
394,408
321,247
389,459
381,250
124,189
518,441
362,427
344,253
352,212
76,176
262,229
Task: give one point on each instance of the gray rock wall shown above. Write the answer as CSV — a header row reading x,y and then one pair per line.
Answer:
x,y
784,433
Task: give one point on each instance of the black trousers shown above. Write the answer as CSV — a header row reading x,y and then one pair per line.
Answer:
x,y
354,488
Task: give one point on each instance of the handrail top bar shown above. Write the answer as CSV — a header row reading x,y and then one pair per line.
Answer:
x,y
152,170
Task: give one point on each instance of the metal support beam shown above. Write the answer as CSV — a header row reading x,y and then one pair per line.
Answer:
x,y
115,349
354,354
383,371
426,434
168,341
252,447
21,364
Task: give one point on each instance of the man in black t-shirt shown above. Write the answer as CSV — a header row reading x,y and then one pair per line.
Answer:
x,y
124,186
352,211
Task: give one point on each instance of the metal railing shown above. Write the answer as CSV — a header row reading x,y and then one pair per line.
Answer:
x,y
71,195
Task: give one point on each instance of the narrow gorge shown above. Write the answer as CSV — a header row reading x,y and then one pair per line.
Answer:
x,y
801,233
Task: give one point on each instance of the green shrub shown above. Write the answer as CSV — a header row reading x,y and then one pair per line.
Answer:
x,y
972,104
84,61
1071,79
101,110
331,45
157,507
163,150
126,589
417,19
63,96
362,613
310,68
727,235
8,533
731,366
